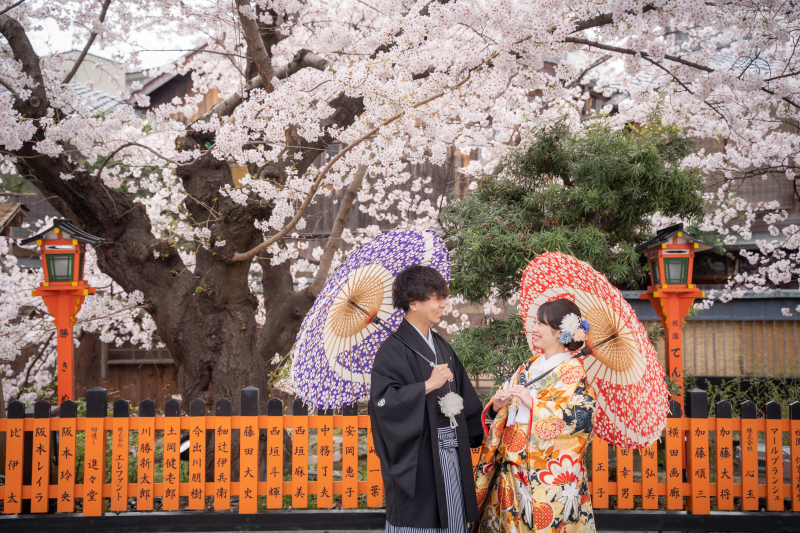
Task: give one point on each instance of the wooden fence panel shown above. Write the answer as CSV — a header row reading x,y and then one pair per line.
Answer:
x,y
222,455
773,438
299,455
15,445
794,414
146,455
248,452
66,457
275,454
674,456
94,464
374,479
650,476
197,455
172,455
360,478
698,461
624,478
325,460
749,458
40,464
724,471
120,452
350,457
600,488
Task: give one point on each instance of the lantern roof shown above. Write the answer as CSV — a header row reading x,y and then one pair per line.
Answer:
x,y
67,230
665,235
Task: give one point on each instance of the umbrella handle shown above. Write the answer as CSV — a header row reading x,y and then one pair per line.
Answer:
x,y
583,353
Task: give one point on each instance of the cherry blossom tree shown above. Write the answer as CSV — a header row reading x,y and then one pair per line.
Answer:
x,y
396,82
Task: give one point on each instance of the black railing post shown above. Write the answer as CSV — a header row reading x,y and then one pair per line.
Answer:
x,y
249,401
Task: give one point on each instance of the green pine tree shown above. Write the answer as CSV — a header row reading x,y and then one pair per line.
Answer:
x,y
588,193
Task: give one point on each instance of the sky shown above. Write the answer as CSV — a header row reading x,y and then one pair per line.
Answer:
x,y
51,40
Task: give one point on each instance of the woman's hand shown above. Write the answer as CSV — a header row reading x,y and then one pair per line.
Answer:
x,y
523,394
500,400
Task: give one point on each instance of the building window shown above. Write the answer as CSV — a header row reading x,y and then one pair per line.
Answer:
x,y
128,354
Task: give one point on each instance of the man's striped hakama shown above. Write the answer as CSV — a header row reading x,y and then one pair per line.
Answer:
x,y
448,458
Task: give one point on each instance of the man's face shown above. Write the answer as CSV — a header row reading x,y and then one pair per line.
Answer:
x,y
429,311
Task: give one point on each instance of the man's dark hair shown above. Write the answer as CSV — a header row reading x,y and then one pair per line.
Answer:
x,y
417,283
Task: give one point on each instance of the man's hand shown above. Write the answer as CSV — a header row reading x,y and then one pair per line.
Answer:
x,y
439,376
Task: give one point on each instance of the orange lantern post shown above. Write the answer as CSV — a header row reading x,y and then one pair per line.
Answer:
x,y
62,248
670,255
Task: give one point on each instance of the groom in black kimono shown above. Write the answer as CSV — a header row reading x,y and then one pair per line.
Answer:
x,y
425,463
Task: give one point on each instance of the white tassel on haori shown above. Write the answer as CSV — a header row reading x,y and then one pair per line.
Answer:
x,y
451,404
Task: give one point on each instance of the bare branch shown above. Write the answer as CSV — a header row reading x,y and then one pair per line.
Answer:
x,y
335,239
13,31
255,45
89,43
246,256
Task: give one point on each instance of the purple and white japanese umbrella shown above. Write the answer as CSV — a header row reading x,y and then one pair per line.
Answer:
x,y
333,354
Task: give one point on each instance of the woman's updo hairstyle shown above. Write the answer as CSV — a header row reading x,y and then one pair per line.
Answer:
x,y
553,312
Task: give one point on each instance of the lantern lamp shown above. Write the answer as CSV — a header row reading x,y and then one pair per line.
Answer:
x,y
63,248
670,256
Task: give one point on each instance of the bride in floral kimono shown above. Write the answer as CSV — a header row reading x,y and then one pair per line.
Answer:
x,y
531,475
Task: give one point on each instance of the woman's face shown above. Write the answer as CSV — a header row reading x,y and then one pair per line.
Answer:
x,y
545,337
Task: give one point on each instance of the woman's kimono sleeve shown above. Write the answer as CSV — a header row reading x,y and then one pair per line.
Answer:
x,y
398,408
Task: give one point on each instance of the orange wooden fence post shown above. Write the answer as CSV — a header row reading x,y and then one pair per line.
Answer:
x,y
94,464
15,442
350,457
275,454
599,473
674,461
698,450
624,478
374,479
794,415
773,438
40,474
222,454
66,457
650,476
749,459
120,453
325,459
248,452
146,457
724,473
172,455
299,454
197,455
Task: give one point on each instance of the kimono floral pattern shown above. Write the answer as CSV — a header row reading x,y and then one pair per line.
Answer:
x,y
532,477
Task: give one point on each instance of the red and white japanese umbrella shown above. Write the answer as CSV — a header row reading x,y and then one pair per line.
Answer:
x,y
623,367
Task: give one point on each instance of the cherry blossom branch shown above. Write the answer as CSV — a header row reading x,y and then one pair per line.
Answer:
x,y
9,8
645,55
89,43
335,239
118,311
255,44
23,51
245,256
302,59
